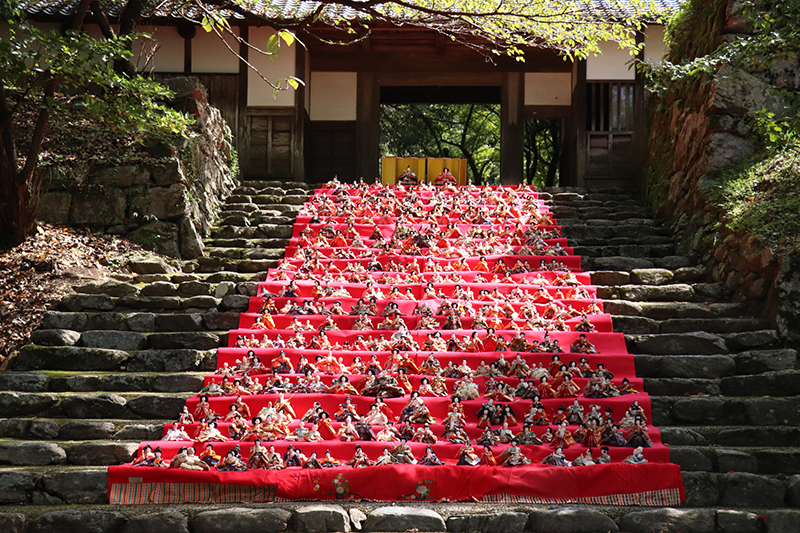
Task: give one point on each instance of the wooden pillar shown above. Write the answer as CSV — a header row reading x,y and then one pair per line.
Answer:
x,y
640,129
367,126
298,142
242,130
512,128
573,158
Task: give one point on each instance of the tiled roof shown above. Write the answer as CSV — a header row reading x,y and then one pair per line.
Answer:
x,y
287,10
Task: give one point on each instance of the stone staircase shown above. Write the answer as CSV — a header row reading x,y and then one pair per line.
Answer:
x,y
119,358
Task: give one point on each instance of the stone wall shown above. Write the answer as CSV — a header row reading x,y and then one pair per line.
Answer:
x,y
700,127
166,203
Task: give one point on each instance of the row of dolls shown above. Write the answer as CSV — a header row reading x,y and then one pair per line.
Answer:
x,y
417,278
329,364
403,340
261,457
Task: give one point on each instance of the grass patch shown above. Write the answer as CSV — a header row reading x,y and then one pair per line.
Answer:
x,y
762,196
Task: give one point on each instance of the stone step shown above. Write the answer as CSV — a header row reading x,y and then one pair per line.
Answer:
x,y
756,460
260,184
54,452
68,429
635,324
75,358
645,251
752,362
776,384
261,231
703,410
247,243
701,342
731,436
82,381
676,310
48,489
98,406
245,253
628,264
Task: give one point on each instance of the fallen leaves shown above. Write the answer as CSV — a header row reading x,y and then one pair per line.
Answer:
x,y
38,272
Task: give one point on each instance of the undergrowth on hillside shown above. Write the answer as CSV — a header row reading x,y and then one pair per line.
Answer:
x,y
762,196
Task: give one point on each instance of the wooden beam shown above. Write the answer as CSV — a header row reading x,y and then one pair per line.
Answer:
x,y
367,126
412,59
547,111
512,128
455,79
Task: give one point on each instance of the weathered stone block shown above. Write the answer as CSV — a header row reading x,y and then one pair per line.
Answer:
x,y
321,518
160,288
736,461
86,430
166,360
669,520
500,522
54,207
25,404
100,406
16,486
56,320
31,453
86,209
161,237
566,520
157,406
101,453
193,340
23,381
240,519
33,357
114,340
751,490
730,521
166,522
403,519
78,487
88,521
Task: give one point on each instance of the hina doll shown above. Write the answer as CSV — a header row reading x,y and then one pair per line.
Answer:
x,y
430,458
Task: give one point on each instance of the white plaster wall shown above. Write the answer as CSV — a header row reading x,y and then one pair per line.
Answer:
x,y
259,93
611,64
548,88
169,50
333,95
654,46
209,53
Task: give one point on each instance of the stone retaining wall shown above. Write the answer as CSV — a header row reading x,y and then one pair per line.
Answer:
x,y
165,204
700,128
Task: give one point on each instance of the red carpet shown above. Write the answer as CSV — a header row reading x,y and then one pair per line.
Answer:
x,y
490,257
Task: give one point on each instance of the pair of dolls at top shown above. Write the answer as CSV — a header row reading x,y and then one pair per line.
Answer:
x,y
409,178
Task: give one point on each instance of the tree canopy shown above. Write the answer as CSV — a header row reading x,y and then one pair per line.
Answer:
x,y
494,27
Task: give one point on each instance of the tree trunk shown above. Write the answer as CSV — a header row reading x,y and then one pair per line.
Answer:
x,y
18,213
128,20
